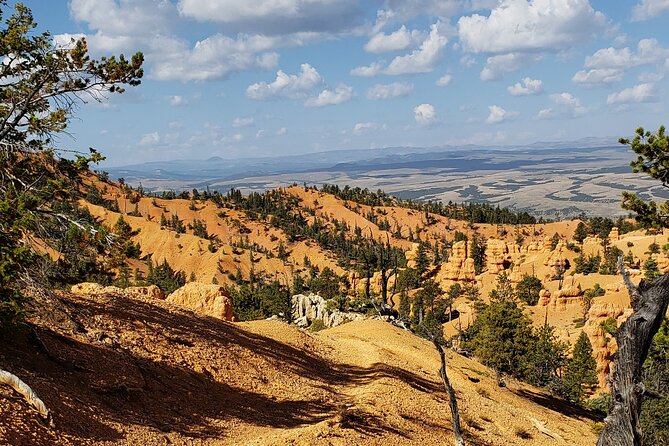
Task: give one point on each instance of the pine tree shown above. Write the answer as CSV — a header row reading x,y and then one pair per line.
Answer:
x,y
580,374
650,269
405,305
528,289
581,232
421,259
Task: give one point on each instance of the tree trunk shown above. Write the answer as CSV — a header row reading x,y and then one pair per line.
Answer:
x,y
649,302
26,392
455,415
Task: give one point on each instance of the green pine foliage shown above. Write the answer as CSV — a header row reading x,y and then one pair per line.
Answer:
x,y
580,373
261,300
164,277
40,86
655,411
527,290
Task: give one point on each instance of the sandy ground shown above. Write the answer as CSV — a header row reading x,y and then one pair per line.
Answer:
x,y
117,370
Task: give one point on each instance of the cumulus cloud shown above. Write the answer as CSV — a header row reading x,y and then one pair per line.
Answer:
x,y
636,94
497,66
498,114
177,101
648,51
387,91
530,26
149,139
403,10
215,57
597,76
608,65
243,122
370,70
282,131
422,60
424,114
648,9
444,80
291,86
342,93
527,86
395,41
276,17
364,127
122,26
546,113
568,100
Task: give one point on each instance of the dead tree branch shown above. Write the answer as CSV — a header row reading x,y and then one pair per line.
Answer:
x,y
453,402
649,301
30,396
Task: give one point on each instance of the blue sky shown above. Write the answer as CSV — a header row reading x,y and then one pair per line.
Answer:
x,y
239,78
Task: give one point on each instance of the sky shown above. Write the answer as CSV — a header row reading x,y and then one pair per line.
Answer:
x,y
253,78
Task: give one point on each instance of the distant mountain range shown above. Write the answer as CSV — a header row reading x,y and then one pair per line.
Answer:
x,y
459,157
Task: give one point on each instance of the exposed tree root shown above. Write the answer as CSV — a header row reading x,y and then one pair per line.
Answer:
x,y
30,396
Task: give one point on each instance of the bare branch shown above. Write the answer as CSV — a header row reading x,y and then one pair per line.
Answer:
x,y
631,288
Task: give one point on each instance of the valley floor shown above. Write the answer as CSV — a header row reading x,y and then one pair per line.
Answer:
x,y
131,371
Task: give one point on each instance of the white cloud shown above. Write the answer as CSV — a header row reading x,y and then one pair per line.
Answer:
x,y
370,70
424,114
648,51
150,139
243,122
401,10
467,61
636,94
534,25
444,80
597,76
648,9
386,91
570,101
342,93
527,86
122,25
497,66
282,131
498,114
422,60
395,41
215,57
177,101
292,86
546,113
608,65
276,16
67,40
364,127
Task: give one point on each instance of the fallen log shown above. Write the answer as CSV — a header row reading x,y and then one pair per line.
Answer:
x,y
27,393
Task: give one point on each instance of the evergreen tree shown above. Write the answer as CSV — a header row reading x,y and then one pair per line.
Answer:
x,y
405,305
41,85
422,261
655,411
580,374
581,232
478,254
650,269
546,355
500,336
528,289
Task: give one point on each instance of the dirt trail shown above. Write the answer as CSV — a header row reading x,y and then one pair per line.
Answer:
x,y
117,370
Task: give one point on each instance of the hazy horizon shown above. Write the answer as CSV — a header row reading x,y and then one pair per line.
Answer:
x,y
302,76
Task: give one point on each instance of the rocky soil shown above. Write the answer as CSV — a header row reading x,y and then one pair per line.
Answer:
x,y
126,368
